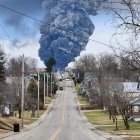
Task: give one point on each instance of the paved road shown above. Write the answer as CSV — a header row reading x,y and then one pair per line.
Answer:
x,y
62,123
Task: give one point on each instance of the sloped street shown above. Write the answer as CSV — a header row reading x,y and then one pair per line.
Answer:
x,y
62,123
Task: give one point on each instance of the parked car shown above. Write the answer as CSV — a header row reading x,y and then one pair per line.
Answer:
x,y
60,88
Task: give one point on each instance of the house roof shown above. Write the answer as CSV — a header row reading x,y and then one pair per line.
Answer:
x,y
136,102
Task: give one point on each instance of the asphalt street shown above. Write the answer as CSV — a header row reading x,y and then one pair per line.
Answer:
x,y
62,123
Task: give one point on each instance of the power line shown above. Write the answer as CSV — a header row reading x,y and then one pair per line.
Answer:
x,y
33,18
93,4
23,14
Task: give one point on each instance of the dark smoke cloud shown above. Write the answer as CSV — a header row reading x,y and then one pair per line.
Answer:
x,y
68,30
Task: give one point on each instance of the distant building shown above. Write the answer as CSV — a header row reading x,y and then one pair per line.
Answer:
x,y
18,80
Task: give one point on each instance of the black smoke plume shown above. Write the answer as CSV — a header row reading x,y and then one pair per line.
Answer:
x,y
67,30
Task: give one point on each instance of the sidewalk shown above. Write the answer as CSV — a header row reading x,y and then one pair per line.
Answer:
x,y
31,126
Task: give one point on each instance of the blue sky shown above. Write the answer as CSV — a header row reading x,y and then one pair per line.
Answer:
x,y
102,33
17,25
19,34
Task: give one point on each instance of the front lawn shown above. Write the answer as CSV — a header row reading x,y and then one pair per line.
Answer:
x,y
101,119
83,100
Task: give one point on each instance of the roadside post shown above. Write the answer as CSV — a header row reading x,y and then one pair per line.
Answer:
x,y
116,123
22,96
44,90
38,94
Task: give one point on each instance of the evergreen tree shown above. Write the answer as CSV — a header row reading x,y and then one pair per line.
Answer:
x,y
2,77
32,88
49,64
32,96
2,68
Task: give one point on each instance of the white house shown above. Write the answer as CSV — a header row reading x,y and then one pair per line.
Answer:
x,y
132,89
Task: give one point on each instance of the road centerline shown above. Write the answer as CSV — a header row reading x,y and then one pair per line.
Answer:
x,y
63,113
56,134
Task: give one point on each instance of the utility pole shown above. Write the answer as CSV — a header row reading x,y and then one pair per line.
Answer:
x,y
44,90
22,96
38,93
47,86
51,84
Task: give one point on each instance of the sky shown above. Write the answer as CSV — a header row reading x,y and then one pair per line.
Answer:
x,y
19,34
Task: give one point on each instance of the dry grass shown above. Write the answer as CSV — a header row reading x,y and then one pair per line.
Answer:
x,y
101,119
83,100
98,117
27,118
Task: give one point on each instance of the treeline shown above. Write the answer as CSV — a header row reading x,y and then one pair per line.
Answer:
x,y
10,82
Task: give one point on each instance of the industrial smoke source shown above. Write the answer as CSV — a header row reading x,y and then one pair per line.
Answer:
x,y
67,30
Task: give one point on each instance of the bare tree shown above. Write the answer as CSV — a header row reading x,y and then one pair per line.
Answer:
x,y
14,71
86,63
116,101
126,16
107,67
2,75
129,62
122,101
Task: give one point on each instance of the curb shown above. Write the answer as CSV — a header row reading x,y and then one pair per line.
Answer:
x,y
41,119
33,125
88,124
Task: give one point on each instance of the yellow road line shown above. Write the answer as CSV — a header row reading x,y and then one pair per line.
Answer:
x,y
63,117
63,113
56,134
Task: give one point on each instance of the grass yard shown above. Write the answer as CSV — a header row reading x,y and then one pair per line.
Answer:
x,y
11,120
49,99
101,119
83,100
27,116
77,88
98,117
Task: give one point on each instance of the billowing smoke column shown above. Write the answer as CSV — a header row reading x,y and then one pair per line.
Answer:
x,y
67,30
